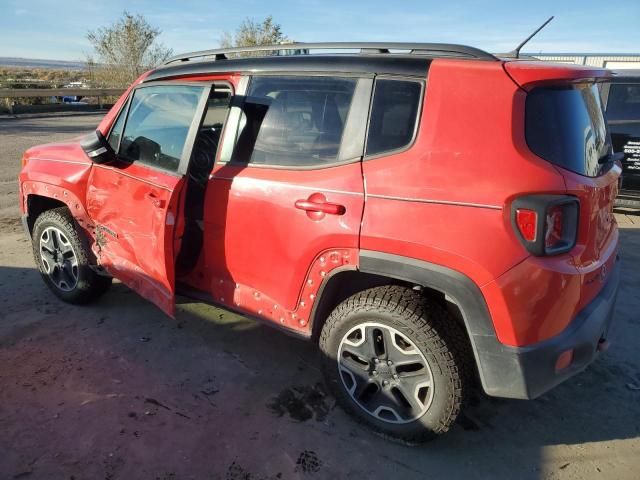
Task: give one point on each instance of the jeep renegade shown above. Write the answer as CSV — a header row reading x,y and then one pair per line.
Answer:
x,y
432,215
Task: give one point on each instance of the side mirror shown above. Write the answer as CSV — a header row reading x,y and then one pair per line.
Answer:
x,y
97,148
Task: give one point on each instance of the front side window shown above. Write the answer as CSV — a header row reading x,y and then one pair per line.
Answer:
x,y
393,116
157,124
293,121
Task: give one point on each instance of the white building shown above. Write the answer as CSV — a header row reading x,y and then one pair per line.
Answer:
x,y
607,60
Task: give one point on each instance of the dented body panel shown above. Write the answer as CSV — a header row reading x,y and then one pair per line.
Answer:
x,y
134,229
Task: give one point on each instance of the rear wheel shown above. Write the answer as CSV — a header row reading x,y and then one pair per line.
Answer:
x,y
395,362
64,258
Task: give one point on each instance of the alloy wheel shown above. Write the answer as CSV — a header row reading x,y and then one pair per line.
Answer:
x,y
59,259
385,373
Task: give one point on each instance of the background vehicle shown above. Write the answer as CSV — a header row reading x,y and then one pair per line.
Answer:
x,y
621,98
425,237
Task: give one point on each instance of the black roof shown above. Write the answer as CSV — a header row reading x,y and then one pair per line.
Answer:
x,y
622,75
373,57
350,64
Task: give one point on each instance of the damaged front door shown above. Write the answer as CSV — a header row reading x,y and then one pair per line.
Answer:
x,y
134,200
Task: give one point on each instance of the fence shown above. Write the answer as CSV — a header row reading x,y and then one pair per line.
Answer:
x,y
9,93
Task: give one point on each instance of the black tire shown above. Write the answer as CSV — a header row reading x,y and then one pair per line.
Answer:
x,y
89,285
433,332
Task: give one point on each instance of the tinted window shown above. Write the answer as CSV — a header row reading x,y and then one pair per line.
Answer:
x,y
116,130
206,143
393,115
158,124
566,126
624,102
293,121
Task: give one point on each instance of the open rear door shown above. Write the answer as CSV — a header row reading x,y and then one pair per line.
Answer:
x,y
134,201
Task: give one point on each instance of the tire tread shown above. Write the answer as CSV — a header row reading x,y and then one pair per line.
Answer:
x,y
431,324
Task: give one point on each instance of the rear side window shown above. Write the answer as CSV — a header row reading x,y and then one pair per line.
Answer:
x,y
624,102
393,115
566,126
293,121
158,123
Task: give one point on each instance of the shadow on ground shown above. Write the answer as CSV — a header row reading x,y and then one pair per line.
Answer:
x,y
117,390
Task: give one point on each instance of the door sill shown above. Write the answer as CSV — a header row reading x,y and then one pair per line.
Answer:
x,y
187,291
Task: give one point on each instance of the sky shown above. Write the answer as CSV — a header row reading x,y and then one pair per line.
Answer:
x,y
57,30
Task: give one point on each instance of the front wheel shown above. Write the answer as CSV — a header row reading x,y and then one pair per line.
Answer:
x,y
395,362
64,258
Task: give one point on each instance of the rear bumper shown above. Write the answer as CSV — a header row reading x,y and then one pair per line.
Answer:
x,y
528,372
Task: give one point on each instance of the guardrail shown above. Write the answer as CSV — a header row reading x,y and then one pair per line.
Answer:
x,y
8,93
59,92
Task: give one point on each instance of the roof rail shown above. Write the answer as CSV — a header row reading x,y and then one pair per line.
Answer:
x,y
427,49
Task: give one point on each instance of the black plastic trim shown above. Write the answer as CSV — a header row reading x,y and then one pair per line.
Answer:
x,y
505,371
446,50
411,66
188,291
528,372
25,225
541,205
455,285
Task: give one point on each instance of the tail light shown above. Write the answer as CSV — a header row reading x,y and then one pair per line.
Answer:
x,y
546,224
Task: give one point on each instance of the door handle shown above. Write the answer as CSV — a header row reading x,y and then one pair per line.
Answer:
x,y
153,197
317,206
330,208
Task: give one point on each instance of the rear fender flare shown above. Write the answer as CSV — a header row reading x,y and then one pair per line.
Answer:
x,y
457,287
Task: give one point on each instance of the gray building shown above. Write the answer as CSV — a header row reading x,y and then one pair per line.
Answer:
x,y
613,61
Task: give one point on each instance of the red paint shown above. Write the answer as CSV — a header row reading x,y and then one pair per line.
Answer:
x,y
244,298
527,221
142,216
529,73
257,237
272,236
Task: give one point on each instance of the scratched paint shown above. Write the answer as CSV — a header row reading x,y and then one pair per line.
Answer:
x,y
249,300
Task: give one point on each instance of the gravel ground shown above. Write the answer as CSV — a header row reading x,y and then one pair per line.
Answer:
x,y
116,390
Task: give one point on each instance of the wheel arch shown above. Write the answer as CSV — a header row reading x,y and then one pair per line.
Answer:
x,y
38,197
377,268
37,205
339,285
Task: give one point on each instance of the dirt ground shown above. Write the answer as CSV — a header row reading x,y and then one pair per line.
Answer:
x,y
116,390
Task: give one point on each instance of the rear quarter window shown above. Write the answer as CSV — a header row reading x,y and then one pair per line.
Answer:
x,y
394,115
566,126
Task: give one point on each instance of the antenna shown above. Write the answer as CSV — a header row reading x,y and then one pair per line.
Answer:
x,y
515,53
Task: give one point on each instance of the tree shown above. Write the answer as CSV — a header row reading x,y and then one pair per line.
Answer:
x,y
124,50
252,33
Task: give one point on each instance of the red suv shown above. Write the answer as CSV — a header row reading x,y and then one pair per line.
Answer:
x,y
429,214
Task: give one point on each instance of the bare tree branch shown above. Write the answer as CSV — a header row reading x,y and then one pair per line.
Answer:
x,y
252,33
124,50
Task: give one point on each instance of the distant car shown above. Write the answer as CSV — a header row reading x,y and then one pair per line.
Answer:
x,y
74,98
621,99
